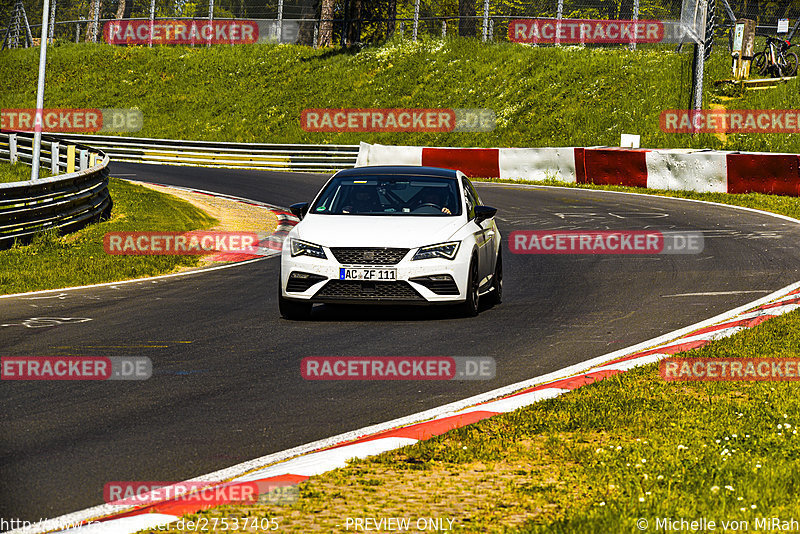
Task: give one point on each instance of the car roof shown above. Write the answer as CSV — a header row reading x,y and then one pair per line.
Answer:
x,y
407,170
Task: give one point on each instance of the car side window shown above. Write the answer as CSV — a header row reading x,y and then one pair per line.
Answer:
x,y
471,198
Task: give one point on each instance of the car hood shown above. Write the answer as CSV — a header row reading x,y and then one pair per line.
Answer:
x,y
405,231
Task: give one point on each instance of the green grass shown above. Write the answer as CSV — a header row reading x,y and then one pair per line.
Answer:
x,y
545,96
19,172
52,261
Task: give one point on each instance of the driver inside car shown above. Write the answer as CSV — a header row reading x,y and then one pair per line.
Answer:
x,y
432,195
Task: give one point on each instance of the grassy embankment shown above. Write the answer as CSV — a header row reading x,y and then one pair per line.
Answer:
x,y
543,96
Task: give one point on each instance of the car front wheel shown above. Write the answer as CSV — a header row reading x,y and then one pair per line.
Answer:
x,y
292,310
497,280
470,306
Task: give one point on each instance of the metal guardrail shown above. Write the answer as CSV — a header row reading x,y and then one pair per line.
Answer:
x,y
64,201
302,158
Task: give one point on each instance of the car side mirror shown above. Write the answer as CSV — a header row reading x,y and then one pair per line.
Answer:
x,y
484,212
299,210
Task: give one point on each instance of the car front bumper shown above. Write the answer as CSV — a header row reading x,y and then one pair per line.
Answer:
x,y
429,281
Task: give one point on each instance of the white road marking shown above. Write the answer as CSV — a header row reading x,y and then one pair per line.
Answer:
x,y
715,293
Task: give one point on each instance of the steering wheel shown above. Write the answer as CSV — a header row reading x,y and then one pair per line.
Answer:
x,y
429,204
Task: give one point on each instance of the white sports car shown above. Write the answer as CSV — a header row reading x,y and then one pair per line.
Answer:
x,y
392,235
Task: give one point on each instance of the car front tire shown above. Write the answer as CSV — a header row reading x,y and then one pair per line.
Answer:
x,y
497,280
292,310
470,306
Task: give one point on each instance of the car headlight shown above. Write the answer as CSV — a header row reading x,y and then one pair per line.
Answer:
x,y
442,250
301,248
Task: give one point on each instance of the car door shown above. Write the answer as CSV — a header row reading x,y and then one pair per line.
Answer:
x,y
484,232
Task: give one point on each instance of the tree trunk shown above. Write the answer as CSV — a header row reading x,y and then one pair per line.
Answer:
x,y
95,6
391,15
354,28
326,24
124,9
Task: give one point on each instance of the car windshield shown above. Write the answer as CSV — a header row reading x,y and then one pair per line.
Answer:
x,y
390,195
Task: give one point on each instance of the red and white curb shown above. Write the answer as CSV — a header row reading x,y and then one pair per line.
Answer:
x,y
705,171
298,464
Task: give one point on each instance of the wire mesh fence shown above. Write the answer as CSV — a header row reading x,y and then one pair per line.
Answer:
x,y
322,22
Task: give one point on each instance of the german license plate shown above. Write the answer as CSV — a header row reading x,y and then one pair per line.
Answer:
x,y
376,275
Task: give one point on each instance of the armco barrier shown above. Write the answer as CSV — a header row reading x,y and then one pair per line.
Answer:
x,y
705,171
296,158
67,201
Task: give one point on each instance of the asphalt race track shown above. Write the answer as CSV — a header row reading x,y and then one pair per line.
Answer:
x,y
226,383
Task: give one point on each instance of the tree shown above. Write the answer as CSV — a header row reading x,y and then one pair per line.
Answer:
x,y
326,24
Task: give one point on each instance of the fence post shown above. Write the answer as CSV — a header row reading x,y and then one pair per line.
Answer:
x,y
84,155
210,21
491,29
52,20
444,29
95,20
279,27
152,16
485,20
402,29
559,15
12,147
316,34
635,17
416,20
54,158
699,60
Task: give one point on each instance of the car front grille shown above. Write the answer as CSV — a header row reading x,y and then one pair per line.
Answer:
x,y
442,284
369,256
360,290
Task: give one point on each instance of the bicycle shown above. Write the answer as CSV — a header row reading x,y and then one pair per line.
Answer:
x,y
776,59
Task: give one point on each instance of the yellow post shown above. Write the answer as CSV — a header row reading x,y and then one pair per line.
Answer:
x,y
71,158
